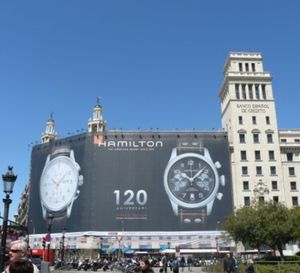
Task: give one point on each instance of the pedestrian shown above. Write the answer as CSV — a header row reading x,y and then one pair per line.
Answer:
x,y
144,266
175,265
164,262
250,266
235,264
19,250
182,263
227,263
190,263
20,265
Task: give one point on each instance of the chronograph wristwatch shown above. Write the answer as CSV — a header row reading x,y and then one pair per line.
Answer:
x,y
192,183
59,184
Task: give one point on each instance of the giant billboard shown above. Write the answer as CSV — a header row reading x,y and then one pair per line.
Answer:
x,y
131,181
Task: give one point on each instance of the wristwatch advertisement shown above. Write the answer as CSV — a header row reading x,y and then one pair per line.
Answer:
x,y
59,184
131,182
192,182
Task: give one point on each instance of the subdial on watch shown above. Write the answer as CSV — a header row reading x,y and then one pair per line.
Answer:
x,y
203,181
179,180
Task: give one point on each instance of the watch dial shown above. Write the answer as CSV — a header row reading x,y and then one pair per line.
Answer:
x,y
58,183
191,180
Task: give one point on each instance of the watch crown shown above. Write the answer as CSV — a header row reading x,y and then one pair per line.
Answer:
x,y
218,165
222,180
80,180
219,195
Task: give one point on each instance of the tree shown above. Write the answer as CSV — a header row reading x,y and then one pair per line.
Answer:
x,y
245,226
278,225
295,214
265,223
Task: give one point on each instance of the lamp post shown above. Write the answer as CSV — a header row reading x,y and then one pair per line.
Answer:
x,y
9,180
217,236
100,246
48,237
62,253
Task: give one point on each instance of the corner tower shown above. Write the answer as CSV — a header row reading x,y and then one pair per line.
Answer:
x,y
97,123
249,117
49,134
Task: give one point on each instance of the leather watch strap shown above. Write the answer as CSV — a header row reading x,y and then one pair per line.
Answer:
x,y
192,216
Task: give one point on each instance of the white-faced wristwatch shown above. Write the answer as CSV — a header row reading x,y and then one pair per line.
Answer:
x,y
192,182
59,183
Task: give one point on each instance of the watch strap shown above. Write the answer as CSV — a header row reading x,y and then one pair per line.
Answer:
x,y
62,151
183,148
192,216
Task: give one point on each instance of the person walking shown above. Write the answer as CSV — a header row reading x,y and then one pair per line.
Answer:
x,y
176,265
190,263
164,262
227,263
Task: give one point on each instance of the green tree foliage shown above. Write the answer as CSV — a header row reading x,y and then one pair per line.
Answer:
x,y
295,214
265,223
277,222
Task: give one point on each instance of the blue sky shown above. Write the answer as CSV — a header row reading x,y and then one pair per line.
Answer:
x,y
155,64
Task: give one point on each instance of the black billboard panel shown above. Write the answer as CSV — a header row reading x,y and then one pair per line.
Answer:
x,y
131,182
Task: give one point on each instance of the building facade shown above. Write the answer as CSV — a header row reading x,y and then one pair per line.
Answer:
x,y
265,161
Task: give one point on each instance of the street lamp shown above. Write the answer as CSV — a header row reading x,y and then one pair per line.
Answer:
x,y
9,180
100,246
62,253
48,237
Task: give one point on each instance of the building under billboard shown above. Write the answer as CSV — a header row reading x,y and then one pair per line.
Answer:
x,y
157,190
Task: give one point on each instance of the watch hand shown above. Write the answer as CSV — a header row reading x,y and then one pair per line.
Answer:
x,y
56,184
62,178
184,175
198,173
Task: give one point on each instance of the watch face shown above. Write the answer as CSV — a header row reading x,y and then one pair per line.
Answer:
x,y
190,180
58,183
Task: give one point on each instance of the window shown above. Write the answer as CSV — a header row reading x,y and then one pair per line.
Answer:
x,y
243,155
297,140
273,170
253,67
247,67
254,120
270,138
263,90
246,185
240,67
267,120
295,201
293,186
237,91
242,138
246,201
289,156
283,140
244,91
271,155
240,120
257,155
244,170
257,91
258,170
275,199
255,138
291,171
250,91
274,185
